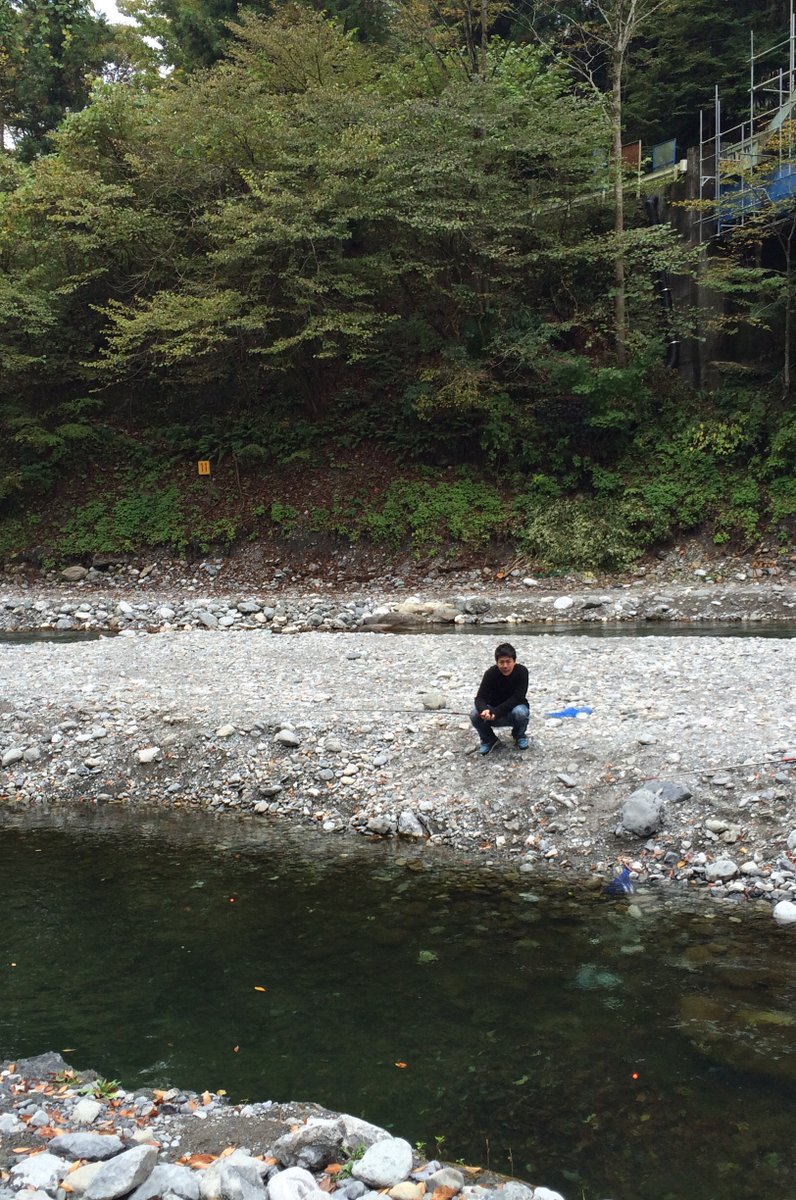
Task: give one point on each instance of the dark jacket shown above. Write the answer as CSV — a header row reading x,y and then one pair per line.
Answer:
x,y
501,693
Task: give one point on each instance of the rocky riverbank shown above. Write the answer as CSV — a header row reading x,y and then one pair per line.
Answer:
x,y
69,1134
683,768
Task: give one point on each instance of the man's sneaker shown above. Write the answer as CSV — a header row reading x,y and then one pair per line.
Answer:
x,y
522,743
485,747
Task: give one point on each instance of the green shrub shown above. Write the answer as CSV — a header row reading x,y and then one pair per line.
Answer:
x,y
430,514
577,532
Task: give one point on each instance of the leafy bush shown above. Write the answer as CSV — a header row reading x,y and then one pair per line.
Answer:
x,y
576,532
429,514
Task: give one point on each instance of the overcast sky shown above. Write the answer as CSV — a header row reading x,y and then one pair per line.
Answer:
x,y
108,9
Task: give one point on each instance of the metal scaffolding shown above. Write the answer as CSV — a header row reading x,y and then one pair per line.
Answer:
x,y
730,160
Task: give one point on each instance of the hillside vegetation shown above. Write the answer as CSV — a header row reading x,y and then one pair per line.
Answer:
x,y
370,272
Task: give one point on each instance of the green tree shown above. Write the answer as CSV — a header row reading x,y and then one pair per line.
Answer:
x,y
52,50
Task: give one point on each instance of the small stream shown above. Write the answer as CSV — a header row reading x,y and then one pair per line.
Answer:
x,y
602,1049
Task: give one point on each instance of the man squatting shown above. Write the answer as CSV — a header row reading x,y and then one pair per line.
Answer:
x,y
502,700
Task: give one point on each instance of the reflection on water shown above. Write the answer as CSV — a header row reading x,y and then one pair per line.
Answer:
x,y
603,1048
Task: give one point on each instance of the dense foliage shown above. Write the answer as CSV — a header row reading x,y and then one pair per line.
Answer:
x,y
329,239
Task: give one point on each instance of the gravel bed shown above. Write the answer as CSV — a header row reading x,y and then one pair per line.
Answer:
x,y
368,733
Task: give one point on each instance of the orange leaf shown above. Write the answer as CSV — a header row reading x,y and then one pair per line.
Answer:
x,y
206,1098
198,1160
192,1105
333,1168
158,1096
401,1065
225,1153
473,1170
259,989
443,1193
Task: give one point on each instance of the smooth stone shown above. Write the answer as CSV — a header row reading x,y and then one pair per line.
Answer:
x,y
237,1177
225,731
80,1179
563,603
514,1190
14,755
434,699
385,1164
407,1191
148,754
448,1177
784,912
122,1174
168,1178
40,1171
93,1146
723,868
287,737
10,1124
296,1183
74,574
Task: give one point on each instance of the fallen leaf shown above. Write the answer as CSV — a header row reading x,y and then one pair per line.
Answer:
x,y
259,989
235,1049
198,1160
472,1170
225,1153
206,1098
443,1193
333,1169
401,1065
327,1184
192,1105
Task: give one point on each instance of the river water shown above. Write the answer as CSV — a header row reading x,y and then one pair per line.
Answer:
x,y
605,1048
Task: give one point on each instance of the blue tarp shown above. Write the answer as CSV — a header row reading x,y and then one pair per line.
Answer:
x,y
775,187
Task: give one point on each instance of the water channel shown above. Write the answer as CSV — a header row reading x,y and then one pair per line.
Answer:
x,y
603,1049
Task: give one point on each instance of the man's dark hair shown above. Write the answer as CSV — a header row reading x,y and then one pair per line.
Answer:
x,y
505,650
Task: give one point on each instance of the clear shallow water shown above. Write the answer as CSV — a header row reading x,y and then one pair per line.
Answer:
x,y
542,1029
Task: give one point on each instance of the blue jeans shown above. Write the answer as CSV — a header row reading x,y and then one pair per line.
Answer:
x,y
517,719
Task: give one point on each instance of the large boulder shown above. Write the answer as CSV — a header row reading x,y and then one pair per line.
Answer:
x,y
122,1174
642,813
91,1146
386,1163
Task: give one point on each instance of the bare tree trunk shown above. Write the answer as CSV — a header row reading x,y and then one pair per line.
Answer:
x,y
620,316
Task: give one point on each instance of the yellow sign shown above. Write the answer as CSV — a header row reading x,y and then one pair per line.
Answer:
x,y
203,466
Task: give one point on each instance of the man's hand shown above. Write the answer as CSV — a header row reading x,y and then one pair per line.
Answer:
x,y
487,715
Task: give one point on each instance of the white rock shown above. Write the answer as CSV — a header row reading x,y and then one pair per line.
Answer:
x,y
12,756
723,868
86,1111
784,913
148,754
40,1171
563,603
287,737
386,1163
